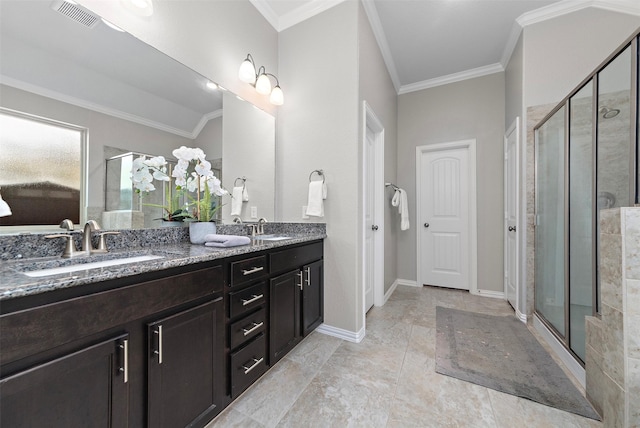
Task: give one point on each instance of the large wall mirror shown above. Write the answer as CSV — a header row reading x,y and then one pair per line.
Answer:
x,y
127,99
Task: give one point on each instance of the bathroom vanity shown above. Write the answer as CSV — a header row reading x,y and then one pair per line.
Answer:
x,y
166,342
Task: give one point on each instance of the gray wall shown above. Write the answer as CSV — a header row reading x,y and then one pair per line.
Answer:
x,y
317,129
472,108
561,52
377,89
514,81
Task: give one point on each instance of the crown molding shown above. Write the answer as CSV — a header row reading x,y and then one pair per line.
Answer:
x,y
555,10
381,38
48,93
452,78
267,11
295,16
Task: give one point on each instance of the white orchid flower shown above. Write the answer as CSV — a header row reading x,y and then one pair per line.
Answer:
x,y
161,175
156,162
203,168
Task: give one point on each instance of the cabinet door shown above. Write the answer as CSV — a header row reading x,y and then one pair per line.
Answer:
x,y
284,314
186,370
312,297
87,388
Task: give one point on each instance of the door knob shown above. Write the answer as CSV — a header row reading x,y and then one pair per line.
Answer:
x,y
374,227
512,228
426,225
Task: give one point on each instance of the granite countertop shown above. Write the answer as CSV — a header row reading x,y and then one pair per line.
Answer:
x,y
14,284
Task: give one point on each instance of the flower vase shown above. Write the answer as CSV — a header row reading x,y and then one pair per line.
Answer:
x,y
199,229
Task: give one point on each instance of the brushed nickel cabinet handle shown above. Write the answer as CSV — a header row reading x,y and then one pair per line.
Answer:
x,y
254,298
308,279
124,345
256,325
158,351
300,277
253,366
252,270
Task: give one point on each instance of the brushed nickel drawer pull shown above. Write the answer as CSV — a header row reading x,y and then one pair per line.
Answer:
x,y
254,298
308,279
256,325
252,270
300,277
253,366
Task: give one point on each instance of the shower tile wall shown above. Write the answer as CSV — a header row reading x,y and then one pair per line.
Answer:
x,y
613,342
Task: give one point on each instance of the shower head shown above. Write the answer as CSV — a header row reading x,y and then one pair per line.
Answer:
x,y
608,113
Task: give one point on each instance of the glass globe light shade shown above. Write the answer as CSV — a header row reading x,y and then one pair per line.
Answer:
x,y
247,72
263,84
277,96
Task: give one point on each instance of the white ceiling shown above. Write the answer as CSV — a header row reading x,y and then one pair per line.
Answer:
x,y
426,43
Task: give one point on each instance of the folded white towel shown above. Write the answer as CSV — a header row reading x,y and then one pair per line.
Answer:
x,y
4,208
400,200
315,206
215,240
236,201
245,194
324,190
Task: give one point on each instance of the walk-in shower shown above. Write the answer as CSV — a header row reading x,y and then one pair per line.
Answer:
x,y
586,161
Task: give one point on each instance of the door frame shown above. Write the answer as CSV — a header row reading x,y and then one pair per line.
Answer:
x,y
470,145
514,127
370,120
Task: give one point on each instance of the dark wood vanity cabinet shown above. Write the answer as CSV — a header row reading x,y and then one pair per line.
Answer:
x,y
185,366
74,390
162,349
297,297
93,359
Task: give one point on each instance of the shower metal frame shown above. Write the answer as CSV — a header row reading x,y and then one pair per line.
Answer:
x,y
633,43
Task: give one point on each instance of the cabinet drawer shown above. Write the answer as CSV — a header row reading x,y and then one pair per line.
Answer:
x,y
293,258
247,328
243,301
247,270
247,365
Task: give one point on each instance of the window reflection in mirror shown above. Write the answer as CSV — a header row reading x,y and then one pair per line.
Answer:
x,y
41,169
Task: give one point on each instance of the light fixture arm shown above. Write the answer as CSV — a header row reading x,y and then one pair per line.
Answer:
x,y
248,74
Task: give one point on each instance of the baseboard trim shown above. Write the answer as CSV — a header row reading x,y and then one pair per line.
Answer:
x,y
390,291
522,317
492,294
574,367
349,336
407,282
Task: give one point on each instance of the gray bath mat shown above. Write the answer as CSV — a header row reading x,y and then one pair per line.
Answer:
x,y
499,352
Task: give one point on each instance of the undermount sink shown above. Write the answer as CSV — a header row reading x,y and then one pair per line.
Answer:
x,y
271,237
36,270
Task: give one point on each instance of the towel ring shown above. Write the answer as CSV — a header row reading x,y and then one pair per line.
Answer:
x,y
244,181
319,172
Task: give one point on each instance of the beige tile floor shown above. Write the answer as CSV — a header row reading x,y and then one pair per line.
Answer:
x,y
387,380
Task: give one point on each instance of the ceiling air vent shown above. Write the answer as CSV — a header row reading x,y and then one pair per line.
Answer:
x,y
76,13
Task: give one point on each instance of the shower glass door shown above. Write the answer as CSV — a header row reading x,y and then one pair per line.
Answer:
x,y
550,221
581,213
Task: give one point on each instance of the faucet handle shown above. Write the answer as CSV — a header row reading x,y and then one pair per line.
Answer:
x,y
102,242
69,247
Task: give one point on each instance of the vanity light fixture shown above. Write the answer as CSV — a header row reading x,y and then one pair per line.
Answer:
x,y
260,80
139,7
211,85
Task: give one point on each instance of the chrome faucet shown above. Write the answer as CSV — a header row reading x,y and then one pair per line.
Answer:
x,y
70,247
237,220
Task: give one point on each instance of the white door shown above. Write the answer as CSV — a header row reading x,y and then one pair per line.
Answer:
x,y
444,217
511,214
370,227
373,209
